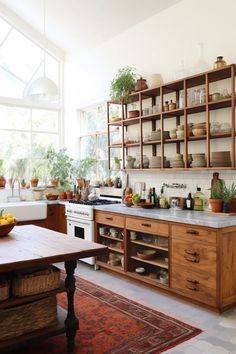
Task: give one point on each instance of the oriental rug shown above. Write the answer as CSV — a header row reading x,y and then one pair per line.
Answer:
x,y
113,324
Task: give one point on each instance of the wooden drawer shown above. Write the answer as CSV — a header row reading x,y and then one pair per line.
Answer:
x,y
109,219
151,227
193,233
201,287
197,256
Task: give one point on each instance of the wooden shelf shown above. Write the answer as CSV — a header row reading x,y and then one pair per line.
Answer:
x,y
181,116
111,238
116,249
154,261
15,301
147,279
151,245
118,269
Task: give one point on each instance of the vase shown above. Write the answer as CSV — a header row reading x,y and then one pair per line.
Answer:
x,y
2,182
34,182
62,195
201,64
226,207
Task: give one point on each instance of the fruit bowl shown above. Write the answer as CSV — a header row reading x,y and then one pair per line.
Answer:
x,y
146,254
5,229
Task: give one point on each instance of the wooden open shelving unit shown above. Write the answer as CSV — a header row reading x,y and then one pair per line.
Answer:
x,y
202,79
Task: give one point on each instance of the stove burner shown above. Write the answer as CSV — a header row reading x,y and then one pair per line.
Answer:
x,y
94,202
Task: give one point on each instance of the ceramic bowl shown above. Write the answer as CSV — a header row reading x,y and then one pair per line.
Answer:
x,y
199,131
146,254
140,270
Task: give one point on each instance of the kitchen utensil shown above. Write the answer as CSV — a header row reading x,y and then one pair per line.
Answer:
x,y
141,84
146,254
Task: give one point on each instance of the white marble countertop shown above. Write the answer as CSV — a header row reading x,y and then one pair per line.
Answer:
x,y
201,218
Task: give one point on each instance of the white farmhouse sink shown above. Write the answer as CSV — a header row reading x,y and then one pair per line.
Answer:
x,y
25,211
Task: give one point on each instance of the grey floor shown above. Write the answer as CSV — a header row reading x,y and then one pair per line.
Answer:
x,y
219,330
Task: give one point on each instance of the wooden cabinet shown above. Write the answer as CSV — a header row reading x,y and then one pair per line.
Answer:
x,y
52,216
198,263
61,221
189,110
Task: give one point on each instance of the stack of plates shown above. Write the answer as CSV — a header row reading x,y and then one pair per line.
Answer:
x,y
155,162
199,160
156,135
221,158
178,162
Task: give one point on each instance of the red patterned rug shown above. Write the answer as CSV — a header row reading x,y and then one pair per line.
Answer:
x,y
112,324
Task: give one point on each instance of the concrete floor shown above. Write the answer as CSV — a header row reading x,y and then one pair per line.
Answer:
x,y
219,330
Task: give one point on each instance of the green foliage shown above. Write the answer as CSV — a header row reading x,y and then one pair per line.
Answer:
x,y
122,84
117,159
215,193
82,167
228,193
21,167
60,165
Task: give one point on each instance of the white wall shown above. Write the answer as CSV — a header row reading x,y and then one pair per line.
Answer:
x,y
157,44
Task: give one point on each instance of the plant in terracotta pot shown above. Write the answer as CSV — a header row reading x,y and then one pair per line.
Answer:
x,y
59,165
117,161
21,170
216,200
228,193
2,173
81,169
122,84
61,193
34,178
68,189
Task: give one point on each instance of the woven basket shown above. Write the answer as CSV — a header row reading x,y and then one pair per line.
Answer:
x,y
23,319
4,290
35,283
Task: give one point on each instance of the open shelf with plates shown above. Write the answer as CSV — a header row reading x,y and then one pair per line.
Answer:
x,y
193,115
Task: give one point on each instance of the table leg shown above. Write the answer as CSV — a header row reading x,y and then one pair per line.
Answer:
x,y
71,321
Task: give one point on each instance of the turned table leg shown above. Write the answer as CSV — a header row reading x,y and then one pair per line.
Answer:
x,y
71,321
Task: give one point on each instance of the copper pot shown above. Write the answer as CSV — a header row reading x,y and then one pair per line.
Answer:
x,y
141,84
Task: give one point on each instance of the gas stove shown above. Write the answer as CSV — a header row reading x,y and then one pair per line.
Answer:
x,y
94,202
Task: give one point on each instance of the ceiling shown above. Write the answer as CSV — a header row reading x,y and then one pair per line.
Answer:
x,y
78,24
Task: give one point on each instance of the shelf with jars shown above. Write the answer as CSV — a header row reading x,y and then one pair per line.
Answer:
x,y
183,117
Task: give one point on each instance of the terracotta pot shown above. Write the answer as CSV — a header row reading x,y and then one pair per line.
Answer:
x,y
23,185
62,195
55,181
2,182
69,195
216,205
133,114
80,182
34,182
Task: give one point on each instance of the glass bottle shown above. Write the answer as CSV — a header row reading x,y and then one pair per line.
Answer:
x,y
199,200
143,196
189,202
163,200
201,64
219,63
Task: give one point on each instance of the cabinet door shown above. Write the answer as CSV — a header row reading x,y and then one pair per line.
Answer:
x,y
193,233
147,226
52,216
110,219
62,227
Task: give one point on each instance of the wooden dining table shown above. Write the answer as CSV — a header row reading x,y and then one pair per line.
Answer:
x,y
32,246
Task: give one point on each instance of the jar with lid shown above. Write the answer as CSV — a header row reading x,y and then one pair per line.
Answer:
x,y
219,63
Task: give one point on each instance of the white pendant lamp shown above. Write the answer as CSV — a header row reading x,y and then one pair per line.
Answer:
x,y
43,88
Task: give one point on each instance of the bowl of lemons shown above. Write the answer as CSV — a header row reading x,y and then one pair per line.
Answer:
x,y
7,222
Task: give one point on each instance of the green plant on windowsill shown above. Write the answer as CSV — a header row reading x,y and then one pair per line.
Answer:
x,y
122,84
59,165
81,168
228,193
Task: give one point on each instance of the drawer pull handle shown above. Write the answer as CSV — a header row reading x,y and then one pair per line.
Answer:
x,y
192,287
109,218
192,232
147,225
192,281
193,259
192,253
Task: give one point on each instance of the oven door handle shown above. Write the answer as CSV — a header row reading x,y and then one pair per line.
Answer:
x,y
77,223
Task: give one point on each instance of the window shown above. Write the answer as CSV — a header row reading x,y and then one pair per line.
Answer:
x,y
93,139
26,129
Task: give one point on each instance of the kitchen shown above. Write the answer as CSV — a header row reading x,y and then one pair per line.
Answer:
x,y
88,75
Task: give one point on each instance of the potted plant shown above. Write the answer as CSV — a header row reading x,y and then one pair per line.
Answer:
x,y
21,168
61,193
60,165
216,200
2,173
117,161
228,193
123,84
34,178
68,190
81,169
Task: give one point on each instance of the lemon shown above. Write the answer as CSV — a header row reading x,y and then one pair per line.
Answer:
x,y
9,216
10,220
3,222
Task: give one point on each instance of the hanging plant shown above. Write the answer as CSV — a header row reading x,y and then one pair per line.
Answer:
x,y
123,84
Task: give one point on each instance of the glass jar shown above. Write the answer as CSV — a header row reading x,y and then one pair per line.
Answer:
x,y
219,63
202,96
166,106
